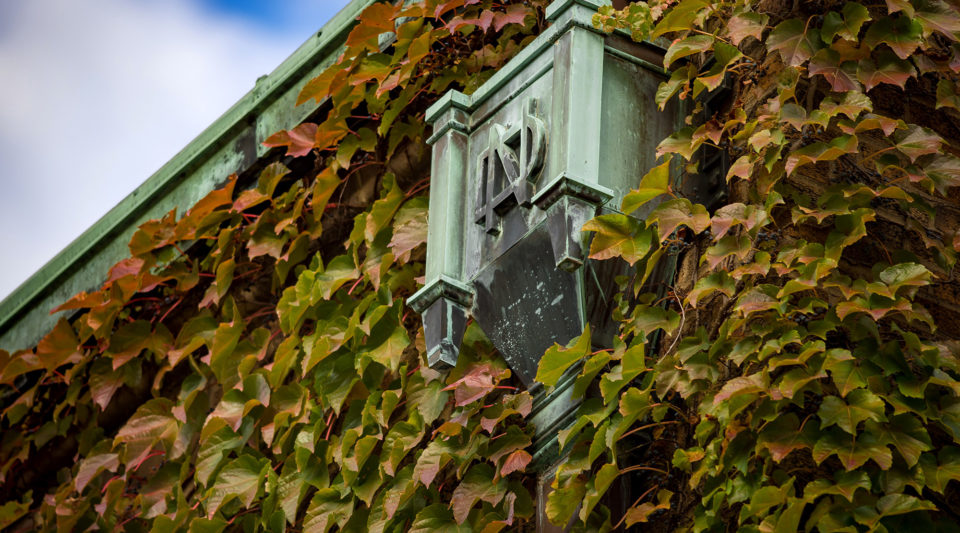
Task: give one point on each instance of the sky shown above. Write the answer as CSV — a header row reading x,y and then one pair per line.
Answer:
x,y
95,96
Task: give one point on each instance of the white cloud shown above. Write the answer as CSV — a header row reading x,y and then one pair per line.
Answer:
x,y
95,96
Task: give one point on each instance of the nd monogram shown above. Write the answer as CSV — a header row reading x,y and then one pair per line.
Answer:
x,y
506,178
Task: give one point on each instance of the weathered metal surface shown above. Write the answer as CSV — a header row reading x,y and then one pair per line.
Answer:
x,y
231,144
562,131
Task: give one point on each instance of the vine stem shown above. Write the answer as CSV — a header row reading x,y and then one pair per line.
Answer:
x,y
642,496
641,467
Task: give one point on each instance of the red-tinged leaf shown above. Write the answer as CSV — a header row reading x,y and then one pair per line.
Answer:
x,y
515,14
783,435
795,43
918,141
515,462
374,20
744,25
153,424
298,141
819,152
59,347
618,235
329,134
693,44
667,89
104,382
478,484
18,364
641,513
900,5
742,167
409,229
680,211
318,88
902,35
947,94
93,465
936,15
680,142
434,457
889,69
840,75
751,384
479,381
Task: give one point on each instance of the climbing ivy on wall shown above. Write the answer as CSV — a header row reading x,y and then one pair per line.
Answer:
x,y
252,365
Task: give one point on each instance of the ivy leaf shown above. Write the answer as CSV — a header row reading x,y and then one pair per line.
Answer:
x,y
680,142
918,141
653,184
944,171
564,501
667,89
680,211
889,69
846,26
381,214
842,75
479,381
937,474
641,513
477,485
409,229
517,461
783,435
853,451
820,151
740,386
737,245
680,18
58,347
908,436
693,44
618,235
792,40
847,413
327,508
935,15
375,20
437,517
104,382
389,352
92,466
152,424
338,271
902,35
844,483
298,141
748,24
947,94
715,281
558,359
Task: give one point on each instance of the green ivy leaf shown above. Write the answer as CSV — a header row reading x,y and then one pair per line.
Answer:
x,y
618,235
902,35
558,359
793,41
847,413
654,183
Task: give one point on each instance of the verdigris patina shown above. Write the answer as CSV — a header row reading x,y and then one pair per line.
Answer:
x,y
557,136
